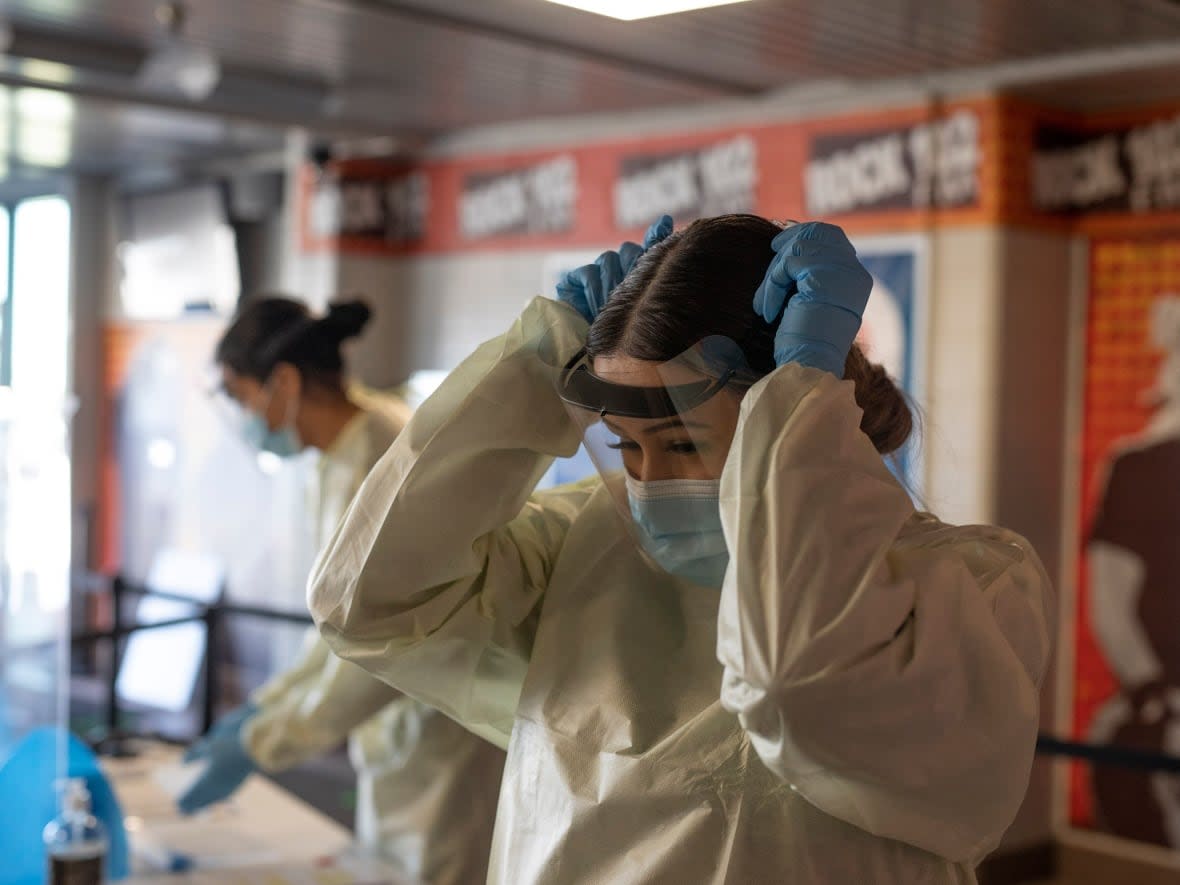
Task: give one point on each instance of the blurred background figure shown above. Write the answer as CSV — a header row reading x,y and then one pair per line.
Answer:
x,y
426,788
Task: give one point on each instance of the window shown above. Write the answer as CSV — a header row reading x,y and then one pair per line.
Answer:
x,y
37,335
34,438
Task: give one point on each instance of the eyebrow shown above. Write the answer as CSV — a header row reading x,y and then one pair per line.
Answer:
x,y
663,425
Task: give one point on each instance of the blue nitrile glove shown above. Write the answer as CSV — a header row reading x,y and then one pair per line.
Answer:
x,y
228,762
816,273
230,723
588,288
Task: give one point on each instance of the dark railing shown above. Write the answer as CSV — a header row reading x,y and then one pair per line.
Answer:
x,y
213,615
1108,754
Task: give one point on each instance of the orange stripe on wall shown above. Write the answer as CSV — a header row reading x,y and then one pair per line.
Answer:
x,y
118,343
1008,128
783,153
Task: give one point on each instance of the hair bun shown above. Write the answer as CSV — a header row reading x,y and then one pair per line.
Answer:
x,y
887,419
347,319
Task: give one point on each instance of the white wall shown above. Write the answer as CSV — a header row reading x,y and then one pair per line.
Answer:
x,y
960,386
432,311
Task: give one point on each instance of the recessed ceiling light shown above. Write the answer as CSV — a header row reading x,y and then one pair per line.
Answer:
x,y
176,65
629,10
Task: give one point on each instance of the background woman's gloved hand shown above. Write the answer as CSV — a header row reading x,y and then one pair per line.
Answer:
x,y
231,722
815,272
588,288
228,762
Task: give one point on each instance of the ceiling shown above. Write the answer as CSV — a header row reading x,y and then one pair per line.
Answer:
x,y
417,68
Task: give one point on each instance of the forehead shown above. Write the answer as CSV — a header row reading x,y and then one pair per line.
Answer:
x,y
644,373
718,411
627,370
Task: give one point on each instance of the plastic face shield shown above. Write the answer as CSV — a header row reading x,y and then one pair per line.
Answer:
x,y
231,414
659,435
240,423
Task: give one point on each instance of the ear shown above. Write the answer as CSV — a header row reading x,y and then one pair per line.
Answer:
x,y
286,378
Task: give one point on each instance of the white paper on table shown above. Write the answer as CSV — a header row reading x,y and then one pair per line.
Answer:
x,y
176,778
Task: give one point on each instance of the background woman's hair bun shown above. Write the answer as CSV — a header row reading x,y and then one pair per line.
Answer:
x,y
346,319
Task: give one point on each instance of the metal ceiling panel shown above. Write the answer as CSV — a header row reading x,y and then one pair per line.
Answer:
x,y
762,44
424,45
44,129
417,68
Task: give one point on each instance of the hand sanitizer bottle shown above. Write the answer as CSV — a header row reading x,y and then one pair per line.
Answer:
x,y
75,840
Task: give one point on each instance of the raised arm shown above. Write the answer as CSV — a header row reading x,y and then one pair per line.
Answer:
x,y
433,579
885,665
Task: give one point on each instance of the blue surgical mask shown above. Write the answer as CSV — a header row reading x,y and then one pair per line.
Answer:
x,y
284,442
679,522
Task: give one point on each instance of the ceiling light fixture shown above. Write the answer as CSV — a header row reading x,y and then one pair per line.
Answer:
x,y
177,65
630,10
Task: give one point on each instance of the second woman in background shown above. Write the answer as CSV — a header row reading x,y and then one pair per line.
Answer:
x,y
427,788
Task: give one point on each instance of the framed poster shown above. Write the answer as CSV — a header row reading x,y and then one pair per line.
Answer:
x,y
1126,668
894,330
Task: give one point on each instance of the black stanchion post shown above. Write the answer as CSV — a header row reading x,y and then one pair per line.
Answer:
x,y
113,669
213,620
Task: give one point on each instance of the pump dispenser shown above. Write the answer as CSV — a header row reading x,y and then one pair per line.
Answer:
x,y
75,840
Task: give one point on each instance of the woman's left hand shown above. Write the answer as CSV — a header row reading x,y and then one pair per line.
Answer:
x,y
815,272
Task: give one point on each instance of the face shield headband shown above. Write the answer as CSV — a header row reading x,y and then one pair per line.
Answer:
x,y
719,360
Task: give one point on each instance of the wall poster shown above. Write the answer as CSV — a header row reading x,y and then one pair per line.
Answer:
x,y
893,332
1127,640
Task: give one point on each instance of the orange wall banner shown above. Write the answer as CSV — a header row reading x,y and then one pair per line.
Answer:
x,y
995,160
1105,175
1132,168
371,206
881,171
933,163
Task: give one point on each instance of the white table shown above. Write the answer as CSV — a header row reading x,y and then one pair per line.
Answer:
x,y
262,836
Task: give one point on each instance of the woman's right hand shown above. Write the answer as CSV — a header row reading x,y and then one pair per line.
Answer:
x,y
588,288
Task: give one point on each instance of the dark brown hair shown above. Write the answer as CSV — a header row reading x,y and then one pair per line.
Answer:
x,y
700,281
272,329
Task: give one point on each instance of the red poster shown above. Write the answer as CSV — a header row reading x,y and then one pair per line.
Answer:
x,y
1127,666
